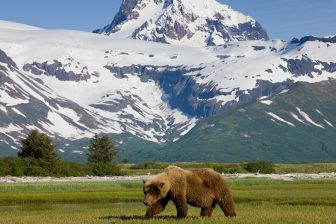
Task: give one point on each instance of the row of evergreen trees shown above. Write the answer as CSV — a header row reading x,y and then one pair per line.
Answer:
x,y
37,157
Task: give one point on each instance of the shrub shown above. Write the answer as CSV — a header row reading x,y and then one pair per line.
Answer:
x,y
260,167
226,167
125,161
33,168
17,166
149,165
11,166
73,169
105,169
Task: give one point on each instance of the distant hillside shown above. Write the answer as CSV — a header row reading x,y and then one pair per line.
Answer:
x,y
297,126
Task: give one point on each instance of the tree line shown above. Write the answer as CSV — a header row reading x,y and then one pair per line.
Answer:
x,y
38,157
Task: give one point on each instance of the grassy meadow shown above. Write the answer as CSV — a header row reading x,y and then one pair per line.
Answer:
x,y
257,201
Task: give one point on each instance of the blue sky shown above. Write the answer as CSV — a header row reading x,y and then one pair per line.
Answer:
x,y
282,19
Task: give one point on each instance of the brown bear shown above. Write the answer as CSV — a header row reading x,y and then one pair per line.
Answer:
x,y
202,188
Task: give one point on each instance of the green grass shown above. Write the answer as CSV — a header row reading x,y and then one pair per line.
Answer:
x,y
123,191
257,201
133,213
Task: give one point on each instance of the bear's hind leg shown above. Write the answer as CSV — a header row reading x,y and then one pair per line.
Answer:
x,y
228,207
207,212
225,200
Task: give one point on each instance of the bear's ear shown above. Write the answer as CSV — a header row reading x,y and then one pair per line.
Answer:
x,y
143,180
161,184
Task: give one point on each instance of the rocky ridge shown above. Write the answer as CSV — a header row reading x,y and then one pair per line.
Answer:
x,y
183,22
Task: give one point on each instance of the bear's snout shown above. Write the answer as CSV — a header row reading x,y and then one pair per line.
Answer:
x,y
145,202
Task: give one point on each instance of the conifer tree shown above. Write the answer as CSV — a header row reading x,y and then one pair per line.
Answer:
x,y
101,150
40,146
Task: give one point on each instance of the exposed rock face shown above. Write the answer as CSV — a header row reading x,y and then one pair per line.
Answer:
x,y
57,69
184,93
331,39
6,60
184,22
126,12
306,66
27,104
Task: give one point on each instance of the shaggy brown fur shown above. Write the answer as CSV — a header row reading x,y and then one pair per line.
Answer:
x,y
203,188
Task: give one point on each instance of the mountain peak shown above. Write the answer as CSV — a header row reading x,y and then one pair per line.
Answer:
x,y
183,22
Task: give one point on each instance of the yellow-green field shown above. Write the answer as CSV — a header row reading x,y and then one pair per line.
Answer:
x,y
257,201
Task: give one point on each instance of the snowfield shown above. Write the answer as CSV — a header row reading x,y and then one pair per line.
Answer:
x,y
16,26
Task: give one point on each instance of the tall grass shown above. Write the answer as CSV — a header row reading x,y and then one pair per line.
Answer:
x,y
298,192
257,201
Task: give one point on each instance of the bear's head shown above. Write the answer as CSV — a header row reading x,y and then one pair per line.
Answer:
x,y
155,189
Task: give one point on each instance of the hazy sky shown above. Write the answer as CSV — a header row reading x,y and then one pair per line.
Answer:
x,y
281,18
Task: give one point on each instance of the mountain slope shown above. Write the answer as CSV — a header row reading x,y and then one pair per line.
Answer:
x,y
27,104
67,95
296,126
183,22
72,84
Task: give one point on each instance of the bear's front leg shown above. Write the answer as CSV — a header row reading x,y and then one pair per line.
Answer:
x,y
149,213
207,211
181,206
156,208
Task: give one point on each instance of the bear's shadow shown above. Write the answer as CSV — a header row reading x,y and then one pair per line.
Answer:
x,y
140,217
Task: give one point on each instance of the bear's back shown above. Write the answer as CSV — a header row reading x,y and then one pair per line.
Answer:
x,y
208,177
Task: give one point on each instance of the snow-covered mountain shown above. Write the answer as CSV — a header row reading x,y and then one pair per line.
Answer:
x,y
72,84
60,84
183,22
